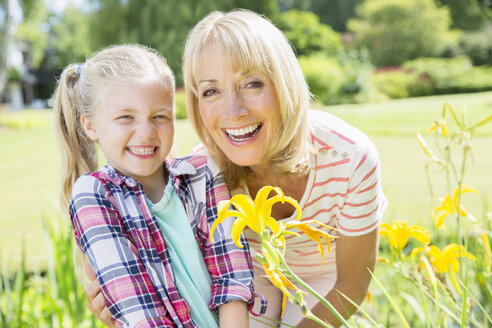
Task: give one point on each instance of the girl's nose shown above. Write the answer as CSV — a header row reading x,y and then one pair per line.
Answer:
x,y
146,129
235,106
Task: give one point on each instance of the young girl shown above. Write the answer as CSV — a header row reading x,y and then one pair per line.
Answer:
x,y
154,262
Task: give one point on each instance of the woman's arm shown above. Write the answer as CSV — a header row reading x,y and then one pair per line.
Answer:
x,y
356,248
95,299
233,315
355,255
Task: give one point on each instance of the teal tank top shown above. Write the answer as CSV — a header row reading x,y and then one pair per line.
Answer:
x,y
192,277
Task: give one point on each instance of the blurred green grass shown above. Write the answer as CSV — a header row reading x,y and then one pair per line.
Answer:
x,y
29,167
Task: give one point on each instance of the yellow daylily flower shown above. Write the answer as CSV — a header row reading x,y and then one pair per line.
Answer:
x,y
280,281
398,234
270,260
445,259
256,215
449,206
488,251
441,127
313,233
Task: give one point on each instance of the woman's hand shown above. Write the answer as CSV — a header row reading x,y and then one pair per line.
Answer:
x,y
95,299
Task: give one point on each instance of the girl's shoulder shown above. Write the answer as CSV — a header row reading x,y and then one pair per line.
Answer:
x,y
103,180
89,182
193,164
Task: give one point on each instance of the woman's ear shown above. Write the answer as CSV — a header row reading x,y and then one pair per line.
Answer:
x,y
89,127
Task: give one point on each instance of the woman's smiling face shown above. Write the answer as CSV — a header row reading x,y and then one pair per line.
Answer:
x,y
239,109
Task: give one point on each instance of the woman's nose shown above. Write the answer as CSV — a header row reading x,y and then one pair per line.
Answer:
x,y
235,106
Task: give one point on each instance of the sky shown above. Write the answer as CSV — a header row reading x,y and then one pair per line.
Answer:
x,y
59,5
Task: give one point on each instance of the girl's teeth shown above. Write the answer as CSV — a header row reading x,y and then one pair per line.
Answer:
x,y
142,150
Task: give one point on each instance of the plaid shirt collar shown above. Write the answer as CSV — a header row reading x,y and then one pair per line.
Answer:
x,y
174,167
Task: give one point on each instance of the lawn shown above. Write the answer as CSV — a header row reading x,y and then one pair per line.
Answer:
x,y
30,165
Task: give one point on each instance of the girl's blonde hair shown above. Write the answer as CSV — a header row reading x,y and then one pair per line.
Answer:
x,y
80,90
253,43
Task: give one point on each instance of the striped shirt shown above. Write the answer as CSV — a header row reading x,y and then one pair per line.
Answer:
x,y
115,228
343,191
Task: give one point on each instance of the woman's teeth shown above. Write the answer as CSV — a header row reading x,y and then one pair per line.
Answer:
x,y
243,133
141,150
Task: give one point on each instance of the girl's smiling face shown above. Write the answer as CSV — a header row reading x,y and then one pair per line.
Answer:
x,y
135,129
239,109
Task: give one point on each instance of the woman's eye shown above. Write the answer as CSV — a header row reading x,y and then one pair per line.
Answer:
x,y
209,92
254,84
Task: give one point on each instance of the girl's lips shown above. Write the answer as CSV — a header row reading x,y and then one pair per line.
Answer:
x,y
142,151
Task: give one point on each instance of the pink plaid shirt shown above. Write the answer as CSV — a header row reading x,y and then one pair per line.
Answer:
x,y
117,231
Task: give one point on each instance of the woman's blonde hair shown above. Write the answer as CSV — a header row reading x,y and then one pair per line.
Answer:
x,y
80,90
253,43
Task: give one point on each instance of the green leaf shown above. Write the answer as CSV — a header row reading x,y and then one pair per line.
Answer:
x,y
392,301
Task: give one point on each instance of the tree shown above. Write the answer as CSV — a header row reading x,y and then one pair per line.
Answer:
x,y
6,32
107,23
307,34
70,37
395,31
269,8
331,12
468,14
33,29
162,25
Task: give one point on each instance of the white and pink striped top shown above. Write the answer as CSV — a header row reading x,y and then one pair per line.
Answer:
x,y
343,191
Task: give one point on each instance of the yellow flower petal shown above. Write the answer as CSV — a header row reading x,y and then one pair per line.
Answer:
x,y
486,243
464,253
313,233
272,224
443,129
224,214
284,298
294,203
244,204
464,189
417,250
237,229
432,127
420,234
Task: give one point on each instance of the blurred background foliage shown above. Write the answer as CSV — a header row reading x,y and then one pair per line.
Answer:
x,y
347,41
355,54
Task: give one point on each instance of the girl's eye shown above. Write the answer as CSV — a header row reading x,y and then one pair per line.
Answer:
x,y
161,117
209,92
125,117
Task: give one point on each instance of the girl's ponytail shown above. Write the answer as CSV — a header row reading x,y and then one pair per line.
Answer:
x,y
78,152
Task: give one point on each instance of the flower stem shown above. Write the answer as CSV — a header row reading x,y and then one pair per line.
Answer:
x,y
311,316
315,294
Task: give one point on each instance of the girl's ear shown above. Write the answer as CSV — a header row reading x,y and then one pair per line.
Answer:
x,y
89,127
